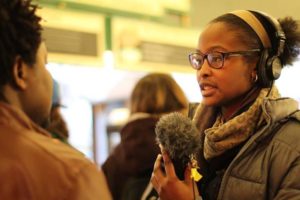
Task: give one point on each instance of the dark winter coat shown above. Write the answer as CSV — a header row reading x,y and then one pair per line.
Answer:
x,y
134,157
267,166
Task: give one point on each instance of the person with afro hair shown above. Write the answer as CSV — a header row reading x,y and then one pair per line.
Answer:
x,y
33,165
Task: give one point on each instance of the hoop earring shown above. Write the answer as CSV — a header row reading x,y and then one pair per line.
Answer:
x,y
255,78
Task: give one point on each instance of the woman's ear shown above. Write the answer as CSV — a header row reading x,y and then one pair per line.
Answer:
x,y
19,73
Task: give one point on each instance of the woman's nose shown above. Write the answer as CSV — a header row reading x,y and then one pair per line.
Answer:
x,y
205,69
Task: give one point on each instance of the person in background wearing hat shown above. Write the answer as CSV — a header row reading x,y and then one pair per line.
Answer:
x,y
34,166
57,125
250,136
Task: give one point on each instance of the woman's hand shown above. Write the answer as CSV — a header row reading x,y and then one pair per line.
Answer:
x,y
167,184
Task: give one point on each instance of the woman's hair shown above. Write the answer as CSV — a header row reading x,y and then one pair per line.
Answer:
x,y
157,93
20,35
248,37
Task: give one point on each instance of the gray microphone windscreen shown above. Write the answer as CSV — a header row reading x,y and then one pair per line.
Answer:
x,y
179,136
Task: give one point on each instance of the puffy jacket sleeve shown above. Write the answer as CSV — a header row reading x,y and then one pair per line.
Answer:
x,y
290,183
285,164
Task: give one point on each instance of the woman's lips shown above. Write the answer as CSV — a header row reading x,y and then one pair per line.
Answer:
x,y
207,89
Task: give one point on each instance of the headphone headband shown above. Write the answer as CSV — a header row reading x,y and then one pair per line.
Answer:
x,y
255,24
259,29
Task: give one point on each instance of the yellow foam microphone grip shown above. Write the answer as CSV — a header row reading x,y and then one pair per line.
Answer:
x,y
195,174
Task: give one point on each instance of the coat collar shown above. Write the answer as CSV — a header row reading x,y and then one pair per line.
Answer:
x,y
275,110
16,117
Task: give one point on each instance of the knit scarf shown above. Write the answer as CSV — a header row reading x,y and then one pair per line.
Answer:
x,y
224,136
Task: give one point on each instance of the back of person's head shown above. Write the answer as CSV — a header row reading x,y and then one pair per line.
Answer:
x,y
157,93
279,40
20,35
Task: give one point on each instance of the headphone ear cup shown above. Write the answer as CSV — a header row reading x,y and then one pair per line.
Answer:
x,y
274,69
263,79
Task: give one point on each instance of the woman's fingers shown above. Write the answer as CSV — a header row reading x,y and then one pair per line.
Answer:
x,y
169,167
166,183
157,170
187,175
157,174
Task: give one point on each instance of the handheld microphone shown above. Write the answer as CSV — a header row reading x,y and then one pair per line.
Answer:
x,y
178,136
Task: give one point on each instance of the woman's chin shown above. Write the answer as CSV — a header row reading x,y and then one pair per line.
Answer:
x,y
209,101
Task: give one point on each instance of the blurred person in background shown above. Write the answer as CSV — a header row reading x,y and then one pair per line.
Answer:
x,y
128,169
32,164
57,125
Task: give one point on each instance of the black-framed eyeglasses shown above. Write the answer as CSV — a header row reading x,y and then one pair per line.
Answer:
x,y
216,59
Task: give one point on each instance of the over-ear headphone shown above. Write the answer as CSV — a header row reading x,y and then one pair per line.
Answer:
x,y
269,66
